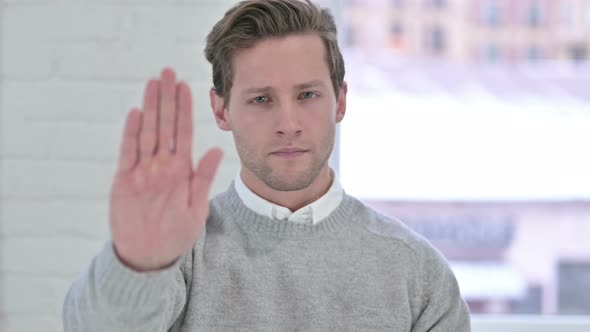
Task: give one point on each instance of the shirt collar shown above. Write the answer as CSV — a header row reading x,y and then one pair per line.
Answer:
x,y
310,214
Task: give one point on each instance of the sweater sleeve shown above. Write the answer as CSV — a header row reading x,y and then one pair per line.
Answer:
x,y
443,307
112,297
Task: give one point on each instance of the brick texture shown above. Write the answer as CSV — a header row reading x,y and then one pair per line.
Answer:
x,y
70,71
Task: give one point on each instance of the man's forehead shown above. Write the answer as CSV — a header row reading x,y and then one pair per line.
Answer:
x,y
308,47
286,63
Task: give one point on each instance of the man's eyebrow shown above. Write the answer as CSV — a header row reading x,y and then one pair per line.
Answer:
x,y
257,90
311,84
301,86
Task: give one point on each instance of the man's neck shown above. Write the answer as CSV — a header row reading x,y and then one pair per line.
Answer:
x,y
293,200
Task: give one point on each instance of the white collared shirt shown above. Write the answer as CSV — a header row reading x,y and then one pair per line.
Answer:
x,y
309,214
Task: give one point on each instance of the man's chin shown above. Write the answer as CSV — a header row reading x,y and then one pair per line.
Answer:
x,y
289,182
281,185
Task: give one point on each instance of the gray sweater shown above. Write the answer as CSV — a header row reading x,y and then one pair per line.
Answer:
x,y
356,270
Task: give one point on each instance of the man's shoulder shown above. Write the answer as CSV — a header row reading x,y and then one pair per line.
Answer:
x,y
402,241
224,200
394,230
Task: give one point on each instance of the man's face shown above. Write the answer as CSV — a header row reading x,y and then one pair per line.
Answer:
x,y
283,111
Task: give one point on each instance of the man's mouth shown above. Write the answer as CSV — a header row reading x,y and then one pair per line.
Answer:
x,y
289,152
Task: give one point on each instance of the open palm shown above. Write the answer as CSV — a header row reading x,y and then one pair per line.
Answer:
x,y
158,203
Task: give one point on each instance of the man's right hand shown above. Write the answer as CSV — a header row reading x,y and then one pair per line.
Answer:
x,y
158,203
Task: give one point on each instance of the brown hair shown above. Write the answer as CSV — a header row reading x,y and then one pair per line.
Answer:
x,y
254,20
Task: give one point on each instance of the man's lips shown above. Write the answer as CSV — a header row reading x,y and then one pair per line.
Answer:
x,y
289,152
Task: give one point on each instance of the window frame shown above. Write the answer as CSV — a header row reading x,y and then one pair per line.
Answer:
x,y
522,323
479,322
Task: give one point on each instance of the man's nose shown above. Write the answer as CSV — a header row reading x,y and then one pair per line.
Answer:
x,y
288,120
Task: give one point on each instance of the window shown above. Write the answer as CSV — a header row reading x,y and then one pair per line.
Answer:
x,y
490,12
438,4
534,14
348,35
533,54
578,53
397,36
573,276
436,40
491,53
487,162
397,29
398,4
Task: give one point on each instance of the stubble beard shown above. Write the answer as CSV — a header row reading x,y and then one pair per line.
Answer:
x,y
275,180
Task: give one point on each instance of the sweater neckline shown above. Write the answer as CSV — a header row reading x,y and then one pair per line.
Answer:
x,y
232,206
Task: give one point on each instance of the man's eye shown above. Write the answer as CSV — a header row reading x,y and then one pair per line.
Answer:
x,y
260,99
308,94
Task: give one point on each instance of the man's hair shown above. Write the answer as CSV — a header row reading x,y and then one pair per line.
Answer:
x,y
251,21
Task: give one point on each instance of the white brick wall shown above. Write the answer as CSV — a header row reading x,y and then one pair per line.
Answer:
x,y
70,71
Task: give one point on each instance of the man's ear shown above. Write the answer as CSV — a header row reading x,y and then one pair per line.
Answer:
x,y
341,102
219,112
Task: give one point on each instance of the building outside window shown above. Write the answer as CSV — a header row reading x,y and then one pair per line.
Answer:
x,y
567,13
487,162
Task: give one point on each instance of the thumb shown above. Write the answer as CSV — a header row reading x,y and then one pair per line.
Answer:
x,y
202,178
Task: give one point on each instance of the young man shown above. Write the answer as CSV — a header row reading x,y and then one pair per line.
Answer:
x,y
284,248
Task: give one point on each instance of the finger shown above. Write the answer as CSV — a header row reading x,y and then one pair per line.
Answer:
x,y
149,124
184,125
129,146
167,113
202,178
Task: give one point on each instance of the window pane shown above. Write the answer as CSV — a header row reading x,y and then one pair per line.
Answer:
x,y
475,134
